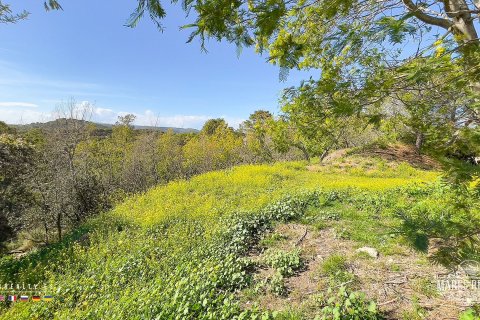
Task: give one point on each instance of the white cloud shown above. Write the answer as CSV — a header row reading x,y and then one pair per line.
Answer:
x,y
23,116
11,104
102,111
233,122
149,118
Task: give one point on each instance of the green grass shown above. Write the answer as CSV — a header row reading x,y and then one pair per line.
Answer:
x,y
176,251
334,264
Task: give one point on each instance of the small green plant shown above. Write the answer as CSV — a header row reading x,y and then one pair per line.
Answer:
x,y
342,233
289,315
285,262
333,264
320,225
335,267
425,286
416,313
329,215
395,267
470,314
272,239
347,305
363,256
276,285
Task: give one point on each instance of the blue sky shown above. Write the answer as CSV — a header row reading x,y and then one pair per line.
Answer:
x,y
85,52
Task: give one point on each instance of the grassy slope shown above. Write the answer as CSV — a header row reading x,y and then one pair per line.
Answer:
x,y
162,254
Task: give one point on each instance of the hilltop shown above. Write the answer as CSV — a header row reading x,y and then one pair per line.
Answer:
x,y
248,242
97,126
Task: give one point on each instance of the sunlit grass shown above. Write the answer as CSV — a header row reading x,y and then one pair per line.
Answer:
x,y
163,253
248,188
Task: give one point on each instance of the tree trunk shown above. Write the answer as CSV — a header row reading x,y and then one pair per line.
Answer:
x,y
419,141
45,226
59,226
302,148
324,154
461,16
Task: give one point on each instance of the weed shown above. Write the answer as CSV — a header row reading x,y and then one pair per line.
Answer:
x,y
425,286
272,239
285,262
348,306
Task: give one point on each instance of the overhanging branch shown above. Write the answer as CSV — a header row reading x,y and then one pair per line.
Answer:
x,y
428,19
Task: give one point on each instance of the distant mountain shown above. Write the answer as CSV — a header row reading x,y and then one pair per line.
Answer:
x,y
99,126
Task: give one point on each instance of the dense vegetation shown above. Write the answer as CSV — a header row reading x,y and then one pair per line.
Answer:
x,y
57,175
179,251
112,247
159,255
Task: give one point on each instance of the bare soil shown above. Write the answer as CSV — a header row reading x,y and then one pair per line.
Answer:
x,y
399,283
397,153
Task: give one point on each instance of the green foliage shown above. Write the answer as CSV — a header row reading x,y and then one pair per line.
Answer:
x,y
347,305
335,267
451,217
284,262
425,286
256,130
470,314
333,264
7,16
271,239
212,125
16,157
276,284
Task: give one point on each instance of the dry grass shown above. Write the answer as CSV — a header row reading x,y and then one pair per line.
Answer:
x,y
400,283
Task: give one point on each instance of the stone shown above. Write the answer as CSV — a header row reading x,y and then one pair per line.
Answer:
x,y
372,252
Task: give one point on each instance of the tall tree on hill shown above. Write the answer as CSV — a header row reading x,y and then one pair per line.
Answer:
x,y
257,134
211,125
16,156
66,189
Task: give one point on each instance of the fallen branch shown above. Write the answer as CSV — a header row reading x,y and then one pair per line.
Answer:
x,y
388,302
301,238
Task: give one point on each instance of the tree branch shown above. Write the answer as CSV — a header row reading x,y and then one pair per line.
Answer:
x,y
419,14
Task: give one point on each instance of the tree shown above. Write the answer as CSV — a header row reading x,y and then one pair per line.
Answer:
x,y
7,16
211,125
126,120
256,130
66,190
16,156
358,45
436,111
212,151
285,135
170,156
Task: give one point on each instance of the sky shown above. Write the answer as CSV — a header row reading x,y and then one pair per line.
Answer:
x,y
86,53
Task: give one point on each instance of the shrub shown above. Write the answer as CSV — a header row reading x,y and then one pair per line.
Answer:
x,y
346,305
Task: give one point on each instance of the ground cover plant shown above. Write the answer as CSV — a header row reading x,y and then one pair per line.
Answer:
x,y
181,251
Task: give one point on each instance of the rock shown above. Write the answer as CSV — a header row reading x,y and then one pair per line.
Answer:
x,y
372,252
